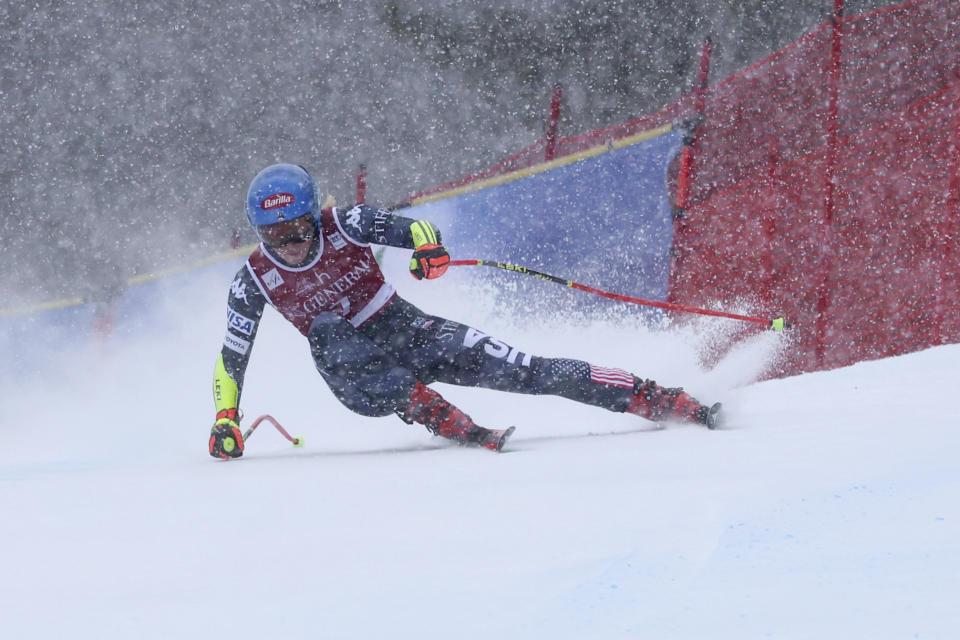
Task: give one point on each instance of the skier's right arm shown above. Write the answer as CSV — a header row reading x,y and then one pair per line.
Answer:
x,y
245,306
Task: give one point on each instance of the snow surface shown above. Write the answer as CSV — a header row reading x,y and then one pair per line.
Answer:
x,y
828,508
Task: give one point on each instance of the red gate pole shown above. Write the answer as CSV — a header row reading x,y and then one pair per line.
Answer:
x,y
948,229
685,172
955,158
769,217
689,141
362,184
954,196
555,100
830,177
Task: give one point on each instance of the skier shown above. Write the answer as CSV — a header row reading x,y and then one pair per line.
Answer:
x,y
377,352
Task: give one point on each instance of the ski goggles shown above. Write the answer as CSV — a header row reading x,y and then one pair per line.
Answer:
x,y
293,231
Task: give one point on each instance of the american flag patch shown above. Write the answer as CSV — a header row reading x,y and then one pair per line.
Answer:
x,y
612,377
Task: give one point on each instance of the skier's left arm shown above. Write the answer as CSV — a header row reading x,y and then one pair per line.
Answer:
x,y
245,305
367,224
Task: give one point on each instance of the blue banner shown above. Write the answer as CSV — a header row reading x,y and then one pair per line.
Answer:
x,y
603,220
49,339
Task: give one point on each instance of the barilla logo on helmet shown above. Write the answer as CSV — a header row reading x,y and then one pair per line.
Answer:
x,y
276,201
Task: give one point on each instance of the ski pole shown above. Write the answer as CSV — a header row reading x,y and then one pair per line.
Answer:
x,y
777,324
296,441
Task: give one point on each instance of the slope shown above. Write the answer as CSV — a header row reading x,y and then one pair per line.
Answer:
x,y
827,508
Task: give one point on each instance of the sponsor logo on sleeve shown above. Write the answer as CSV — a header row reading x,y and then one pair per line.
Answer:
x,y
239,322
353,218
337,240
239,290
380,219
234,343
272,279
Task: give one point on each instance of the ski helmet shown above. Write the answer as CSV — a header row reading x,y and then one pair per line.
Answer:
x,y
279,193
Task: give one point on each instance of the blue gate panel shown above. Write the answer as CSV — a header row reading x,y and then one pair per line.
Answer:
x,y
604,221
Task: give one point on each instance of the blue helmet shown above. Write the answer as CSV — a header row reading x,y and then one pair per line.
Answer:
x,y
279,193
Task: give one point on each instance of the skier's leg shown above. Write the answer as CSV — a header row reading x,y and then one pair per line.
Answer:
x,y
616,390
370,381
610,388
446,351
362,375
430,409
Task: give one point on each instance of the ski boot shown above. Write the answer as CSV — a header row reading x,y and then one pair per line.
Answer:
x,y
427,407
653,402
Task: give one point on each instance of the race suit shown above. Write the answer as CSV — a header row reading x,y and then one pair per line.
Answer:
x,y
370,345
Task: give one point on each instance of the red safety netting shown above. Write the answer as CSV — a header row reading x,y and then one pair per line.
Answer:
x,y
825,187
864,264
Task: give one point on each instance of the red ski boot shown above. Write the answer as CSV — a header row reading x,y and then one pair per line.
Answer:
x,y
428,408
653,402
